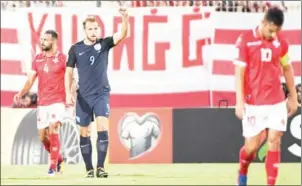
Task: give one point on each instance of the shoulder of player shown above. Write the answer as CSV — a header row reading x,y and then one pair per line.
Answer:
x,y
77,44
39,57
61,55
247,35
105,39
101,40
282,39
243,38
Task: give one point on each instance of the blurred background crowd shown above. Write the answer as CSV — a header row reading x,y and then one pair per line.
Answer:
x,y
224,5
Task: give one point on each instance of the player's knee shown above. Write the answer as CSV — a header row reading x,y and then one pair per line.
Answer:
x,y
101,123
42,134
274,140
250,148
85,131
54,127
251,145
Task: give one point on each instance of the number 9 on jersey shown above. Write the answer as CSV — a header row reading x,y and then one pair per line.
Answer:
x,y
91,59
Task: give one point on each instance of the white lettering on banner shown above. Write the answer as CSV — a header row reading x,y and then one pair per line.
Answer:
x,y
295,130
163,60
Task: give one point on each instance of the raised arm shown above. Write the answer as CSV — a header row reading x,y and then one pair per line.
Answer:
x,y
118,37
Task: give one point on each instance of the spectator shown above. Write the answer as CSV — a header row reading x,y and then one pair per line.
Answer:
x,y
223,5
98,4
246,6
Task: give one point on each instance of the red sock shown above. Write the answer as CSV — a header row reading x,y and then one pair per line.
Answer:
x,y
46,144
245,160
54,150
272,166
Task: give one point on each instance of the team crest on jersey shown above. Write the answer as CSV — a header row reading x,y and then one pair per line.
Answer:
x,y
276,43
97,47
55,60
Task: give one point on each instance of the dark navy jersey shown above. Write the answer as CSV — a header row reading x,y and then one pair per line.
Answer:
x,y
91,62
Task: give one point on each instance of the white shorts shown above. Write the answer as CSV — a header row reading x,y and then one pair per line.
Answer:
x,y
50,114
257,118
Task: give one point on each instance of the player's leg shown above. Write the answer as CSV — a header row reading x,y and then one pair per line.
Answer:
x,y
246,155
43,134
277,126
102,110
43,129
253,131
56,115
83,119
273,156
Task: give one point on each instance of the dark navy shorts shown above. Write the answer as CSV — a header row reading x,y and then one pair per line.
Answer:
x,y
87,107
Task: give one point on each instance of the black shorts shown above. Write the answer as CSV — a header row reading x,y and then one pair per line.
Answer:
x,y
88,106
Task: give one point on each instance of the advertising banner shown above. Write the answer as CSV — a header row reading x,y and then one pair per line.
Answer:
x,y
20,142
141,135
215,135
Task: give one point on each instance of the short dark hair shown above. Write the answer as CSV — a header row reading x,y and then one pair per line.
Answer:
x,y
53,34
275,15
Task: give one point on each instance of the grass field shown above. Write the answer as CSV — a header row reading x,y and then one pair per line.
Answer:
x,y
173,174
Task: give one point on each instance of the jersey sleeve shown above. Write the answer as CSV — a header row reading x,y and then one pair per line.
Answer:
x,y
34,64
109,42
285,59
241,58
71,61
63,60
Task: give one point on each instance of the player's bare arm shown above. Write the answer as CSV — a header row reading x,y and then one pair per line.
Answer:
x,y
118,37
290,83
69,77
240,65
31,77
239,75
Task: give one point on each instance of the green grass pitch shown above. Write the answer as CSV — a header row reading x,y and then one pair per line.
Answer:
x,y
151,174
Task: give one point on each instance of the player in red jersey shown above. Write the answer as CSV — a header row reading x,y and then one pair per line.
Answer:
x,y
260,100
49,67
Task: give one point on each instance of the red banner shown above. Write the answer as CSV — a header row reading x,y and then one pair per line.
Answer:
x,y
173,57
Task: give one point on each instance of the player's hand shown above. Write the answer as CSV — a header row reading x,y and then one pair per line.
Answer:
x,y
292,106
70,100
239,110
123,11
17,98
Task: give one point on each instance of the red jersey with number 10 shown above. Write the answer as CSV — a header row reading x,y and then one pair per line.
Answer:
x,y
50,72
262,58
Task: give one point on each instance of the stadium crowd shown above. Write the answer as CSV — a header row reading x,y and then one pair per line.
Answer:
x,y
224,5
